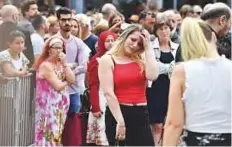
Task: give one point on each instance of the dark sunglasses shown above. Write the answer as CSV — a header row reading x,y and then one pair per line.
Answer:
x,y
198,13
153,15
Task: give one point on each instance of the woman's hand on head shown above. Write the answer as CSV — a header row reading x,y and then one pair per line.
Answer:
x,y
146,39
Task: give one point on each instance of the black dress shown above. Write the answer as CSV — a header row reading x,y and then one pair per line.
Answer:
x,y
157,95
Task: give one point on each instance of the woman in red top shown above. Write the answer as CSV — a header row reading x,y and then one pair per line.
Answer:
x,y
96,123
123,75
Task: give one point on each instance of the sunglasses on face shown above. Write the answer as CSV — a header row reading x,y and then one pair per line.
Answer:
x,y
152,14
198,13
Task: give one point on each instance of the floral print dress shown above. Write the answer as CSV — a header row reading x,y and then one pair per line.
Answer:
x,y
205,139
96,126
51,111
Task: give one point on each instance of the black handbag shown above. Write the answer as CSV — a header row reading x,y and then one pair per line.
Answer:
x,y
85,102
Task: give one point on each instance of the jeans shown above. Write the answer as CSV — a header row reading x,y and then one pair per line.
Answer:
x,y
75,103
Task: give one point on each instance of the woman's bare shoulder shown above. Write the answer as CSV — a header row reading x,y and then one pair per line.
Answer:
x,y
106,60
46,66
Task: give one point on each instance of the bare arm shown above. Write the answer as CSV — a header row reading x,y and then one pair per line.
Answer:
x,y
36,58
48,73
151,65
69,74
176,113
105,73
9,71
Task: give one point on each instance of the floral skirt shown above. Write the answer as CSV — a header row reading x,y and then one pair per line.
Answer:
x,y
96,126
50,119
205,139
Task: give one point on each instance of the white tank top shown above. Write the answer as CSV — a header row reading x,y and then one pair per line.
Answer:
x,y
207,96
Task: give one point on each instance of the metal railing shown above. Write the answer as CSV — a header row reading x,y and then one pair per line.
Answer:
x,y
17,111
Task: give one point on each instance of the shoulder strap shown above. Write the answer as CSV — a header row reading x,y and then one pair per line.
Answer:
x,y
113,59
78,50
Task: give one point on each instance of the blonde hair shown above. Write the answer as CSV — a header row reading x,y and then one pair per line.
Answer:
x,y
52,20
79,33
99,28
83,19
194,35
119,45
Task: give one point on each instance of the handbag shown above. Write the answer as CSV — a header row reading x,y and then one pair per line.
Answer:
x,y
85,107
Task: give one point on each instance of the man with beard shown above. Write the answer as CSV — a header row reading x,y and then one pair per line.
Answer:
x,y
147,19
218,17
77,54
29,10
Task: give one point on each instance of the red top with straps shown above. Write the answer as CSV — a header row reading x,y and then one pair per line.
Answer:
x,y
129,83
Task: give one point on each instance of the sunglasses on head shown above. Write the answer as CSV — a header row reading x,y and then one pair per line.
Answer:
x,y
199,13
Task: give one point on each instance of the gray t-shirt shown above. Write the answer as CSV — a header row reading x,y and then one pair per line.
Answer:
x,y
26,25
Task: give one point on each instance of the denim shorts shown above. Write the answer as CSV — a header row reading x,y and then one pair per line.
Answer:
x,y
75,103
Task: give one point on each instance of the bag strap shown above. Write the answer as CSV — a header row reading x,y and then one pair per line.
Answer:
x,y
113,59
78,50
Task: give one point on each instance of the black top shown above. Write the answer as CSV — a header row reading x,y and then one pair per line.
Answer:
x,y
90,42
157,95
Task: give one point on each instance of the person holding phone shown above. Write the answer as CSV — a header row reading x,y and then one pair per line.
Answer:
x,y
53,75
123,75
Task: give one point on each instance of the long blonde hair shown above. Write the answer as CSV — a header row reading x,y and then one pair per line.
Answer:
x,y
119,44
195,35
79,33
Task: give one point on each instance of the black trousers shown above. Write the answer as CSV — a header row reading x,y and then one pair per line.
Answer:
x,y
138,131
206,139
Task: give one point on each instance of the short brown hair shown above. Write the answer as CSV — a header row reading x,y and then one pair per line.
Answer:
x,y
116,14
185,9
161,20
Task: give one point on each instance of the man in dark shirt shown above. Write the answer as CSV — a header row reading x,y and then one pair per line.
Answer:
x,y
88,38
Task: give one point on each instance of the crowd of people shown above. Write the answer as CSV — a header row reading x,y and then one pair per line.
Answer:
x,y
157,78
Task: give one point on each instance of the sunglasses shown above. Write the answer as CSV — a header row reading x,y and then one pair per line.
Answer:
x,y
199,13
153,15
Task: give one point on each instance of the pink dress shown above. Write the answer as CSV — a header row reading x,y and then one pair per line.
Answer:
x,y
51,111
